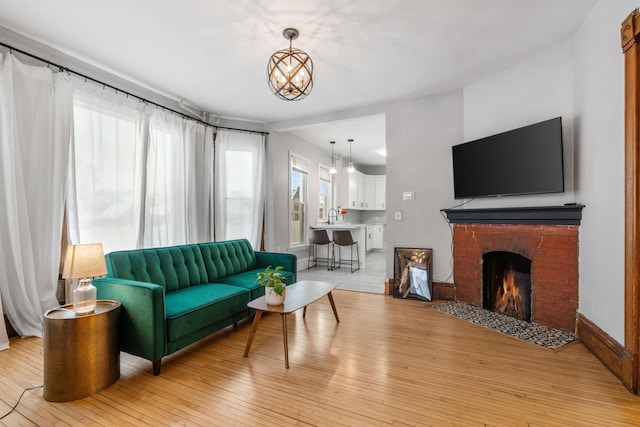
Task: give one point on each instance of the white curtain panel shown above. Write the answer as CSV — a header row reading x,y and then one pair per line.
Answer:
x,y
239,185
200,198
106,169
140,176
35,132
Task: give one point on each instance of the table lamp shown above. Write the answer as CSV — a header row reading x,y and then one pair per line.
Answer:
x,y
84,262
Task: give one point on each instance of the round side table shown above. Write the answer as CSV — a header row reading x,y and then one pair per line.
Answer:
x,y
81,352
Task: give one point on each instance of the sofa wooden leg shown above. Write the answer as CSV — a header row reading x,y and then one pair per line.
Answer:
x,y
235,326
156,367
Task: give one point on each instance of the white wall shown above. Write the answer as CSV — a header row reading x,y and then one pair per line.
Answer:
x,y
599,128
537,89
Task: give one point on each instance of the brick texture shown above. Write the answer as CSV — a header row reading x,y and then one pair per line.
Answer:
x,y
553,251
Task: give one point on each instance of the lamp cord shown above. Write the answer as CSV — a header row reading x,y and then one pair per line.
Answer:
x,y
20,398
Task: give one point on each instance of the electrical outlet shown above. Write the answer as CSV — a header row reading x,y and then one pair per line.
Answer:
x,y
398,215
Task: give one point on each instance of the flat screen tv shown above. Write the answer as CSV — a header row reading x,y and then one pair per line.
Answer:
x,y
527,160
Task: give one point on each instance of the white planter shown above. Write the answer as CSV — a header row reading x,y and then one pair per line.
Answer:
x,y
272,298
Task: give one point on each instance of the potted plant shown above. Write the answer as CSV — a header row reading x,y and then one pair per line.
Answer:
x,y
274,283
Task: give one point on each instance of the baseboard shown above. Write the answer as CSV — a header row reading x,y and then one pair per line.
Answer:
x,y
613,355
444,290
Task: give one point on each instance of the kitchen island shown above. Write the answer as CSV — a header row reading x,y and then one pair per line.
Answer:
x,y
358,232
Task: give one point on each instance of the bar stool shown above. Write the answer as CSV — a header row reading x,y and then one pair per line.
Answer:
x,y
319,237
344,238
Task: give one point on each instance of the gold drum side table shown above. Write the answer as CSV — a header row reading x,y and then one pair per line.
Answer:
x,y
81,352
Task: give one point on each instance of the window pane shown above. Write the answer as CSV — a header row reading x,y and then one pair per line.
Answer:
x,y
324,193
239,188
298,201
105,155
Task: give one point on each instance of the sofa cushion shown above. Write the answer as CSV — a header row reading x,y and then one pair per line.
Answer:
x,y
173,267
248,281
190,309
222,259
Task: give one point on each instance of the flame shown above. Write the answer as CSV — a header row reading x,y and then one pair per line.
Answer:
x,y
508,299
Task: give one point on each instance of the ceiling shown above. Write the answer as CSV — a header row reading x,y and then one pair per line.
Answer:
x,y
213,53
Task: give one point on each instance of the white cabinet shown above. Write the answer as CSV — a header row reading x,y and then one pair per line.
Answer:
x,y
352,180
369,238
370,192
377,241
359,191
380,192
356,182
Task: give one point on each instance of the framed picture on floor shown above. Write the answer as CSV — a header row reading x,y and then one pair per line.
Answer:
x,y
412,277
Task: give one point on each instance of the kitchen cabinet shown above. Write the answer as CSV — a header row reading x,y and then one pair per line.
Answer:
x,y
352,183
361,189
369,238
380,192
360,192
370,192
356,183
377,240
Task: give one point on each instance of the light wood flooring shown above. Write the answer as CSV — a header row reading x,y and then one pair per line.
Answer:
x,y
388,362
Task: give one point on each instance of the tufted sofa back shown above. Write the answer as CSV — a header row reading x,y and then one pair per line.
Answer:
x,y
178,267
227,258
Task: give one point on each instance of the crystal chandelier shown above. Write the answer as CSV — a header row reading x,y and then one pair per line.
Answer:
x,y
290,71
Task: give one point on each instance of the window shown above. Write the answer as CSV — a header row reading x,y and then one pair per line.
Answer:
x,y
239,190
136,172
324,193
106,154
298,200
240,185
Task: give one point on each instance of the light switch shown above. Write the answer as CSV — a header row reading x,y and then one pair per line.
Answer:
x,y
407,195
398,215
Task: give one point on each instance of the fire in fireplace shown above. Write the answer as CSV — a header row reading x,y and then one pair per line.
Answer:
x,y
506,281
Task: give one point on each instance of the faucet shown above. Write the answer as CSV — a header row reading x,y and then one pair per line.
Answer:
x,y
335,215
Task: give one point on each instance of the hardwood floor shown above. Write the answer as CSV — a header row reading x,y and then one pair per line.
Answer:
x,y
388,362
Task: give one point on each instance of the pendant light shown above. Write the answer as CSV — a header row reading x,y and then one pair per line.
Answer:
x,y
290,71
333,169
351,169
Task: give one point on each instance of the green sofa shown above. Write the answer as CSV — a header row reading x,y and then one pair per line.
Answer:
x,y
172,297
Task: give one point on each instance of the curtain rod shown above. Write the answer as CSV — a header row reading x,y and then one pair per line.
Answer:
x,y
105,85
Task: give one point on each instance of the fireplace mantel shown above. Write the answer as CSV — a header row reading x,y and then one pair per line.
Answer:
x,y
570,214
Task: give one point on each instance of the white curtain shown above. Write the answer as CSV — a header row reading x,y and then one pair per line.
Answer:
x,y
201,201
178,193
35,132
239,185
107,168
142,176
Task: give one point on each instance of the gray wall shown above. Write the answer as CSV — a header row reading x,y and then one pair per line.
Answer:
x,y
580,80
599,128
279,144
419,133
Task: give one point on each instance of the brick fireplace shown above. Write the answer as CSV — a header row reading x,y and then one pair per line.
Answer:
x,y
551,244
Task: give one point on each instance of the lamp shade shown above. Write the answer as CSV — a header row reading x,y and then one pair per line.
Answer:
x,y
83,261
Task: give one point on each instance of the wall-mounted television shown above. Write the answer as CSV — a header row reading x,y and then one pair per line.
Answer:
x,y
527,160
